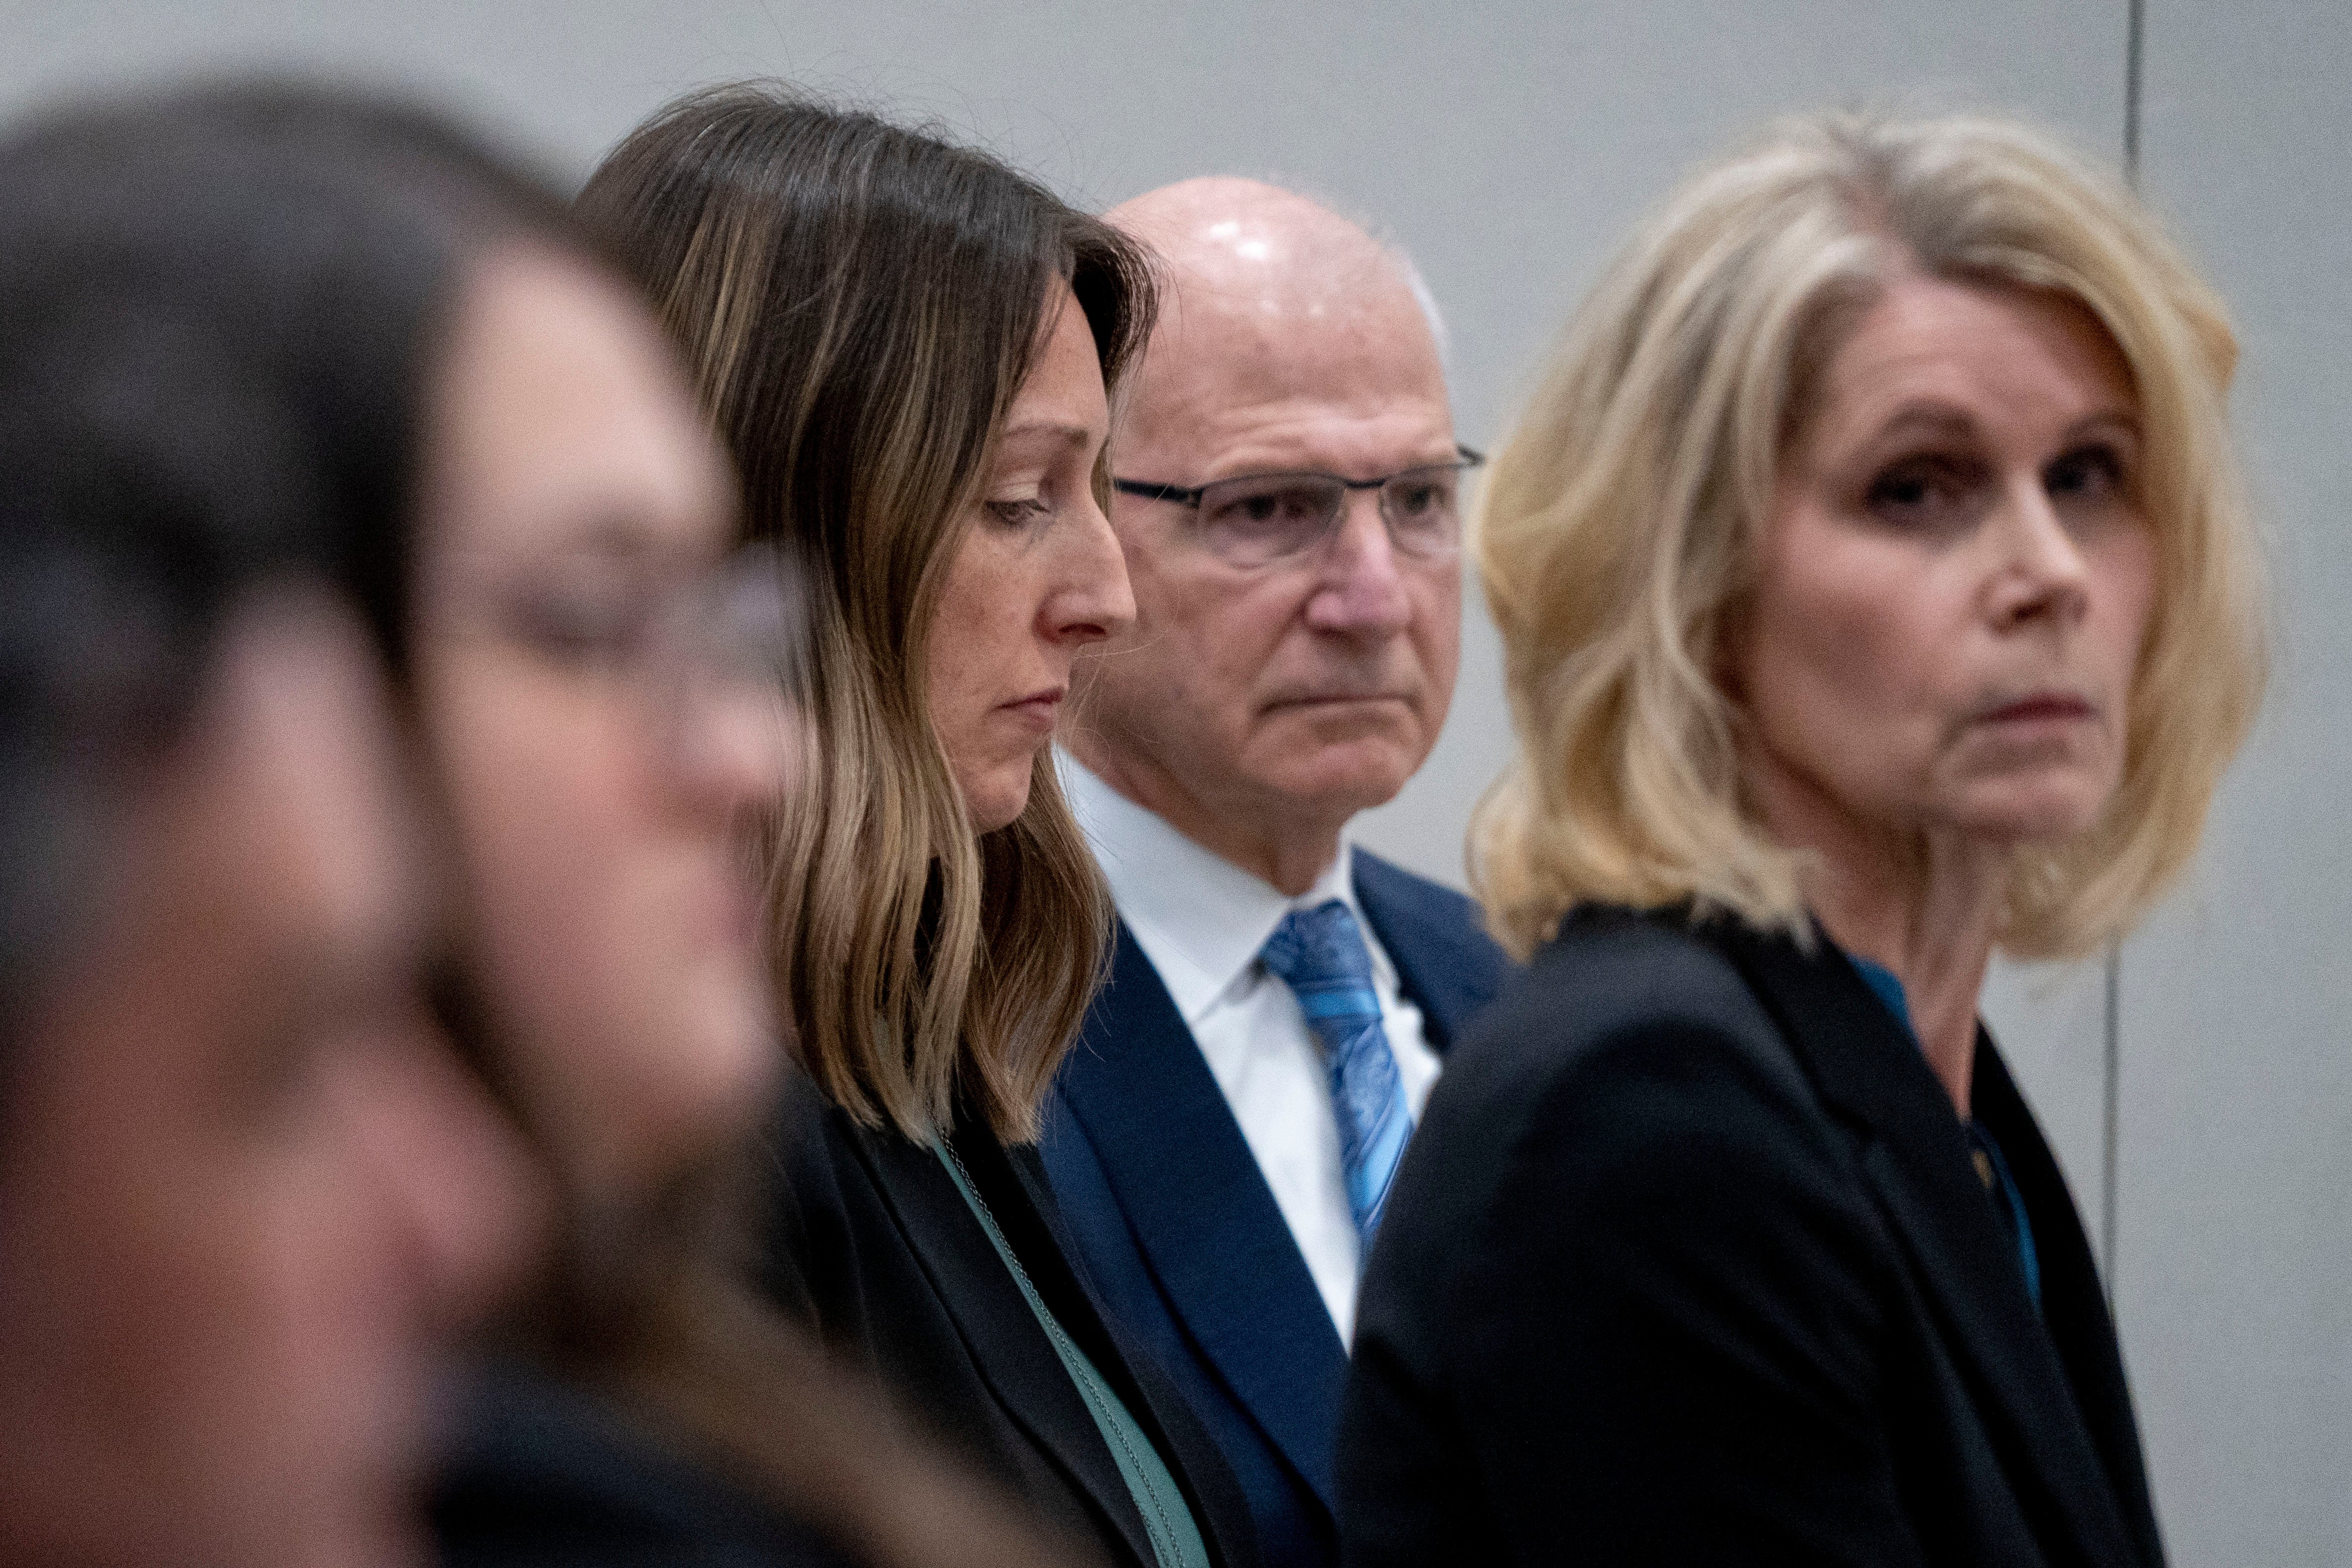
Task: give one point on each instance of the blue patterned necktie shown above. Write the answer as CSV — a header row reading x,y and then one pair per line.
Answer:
x,y
1321,953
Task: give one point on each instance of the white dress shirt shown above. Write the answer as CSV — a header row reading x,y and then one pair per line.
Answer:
x,y
1200,920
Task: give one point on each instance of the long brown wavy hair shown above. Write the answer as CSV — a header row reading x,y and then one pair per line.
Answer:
x,y
860,302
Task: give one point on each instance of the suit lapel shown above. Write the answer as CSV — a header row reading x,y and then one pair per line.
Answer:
x,y
1917,1159
1203,1213
1006,1342
1157,1408
1444,962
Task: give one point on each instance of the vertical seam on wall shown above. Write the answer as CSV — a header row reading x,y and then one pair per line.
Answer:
x,y
2109,1110
2136,33
2111,1067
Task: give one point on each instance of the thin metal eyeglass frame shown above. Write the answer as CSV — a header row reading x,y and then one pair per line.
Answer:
x,y
1191,495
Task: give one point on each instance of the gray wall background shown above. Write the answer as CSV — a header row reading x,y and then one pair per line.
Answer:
x,y
1508,145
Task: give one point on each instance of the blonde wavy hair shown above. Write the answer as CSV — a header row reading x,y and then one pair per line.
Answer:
x,y
1619,530
859,301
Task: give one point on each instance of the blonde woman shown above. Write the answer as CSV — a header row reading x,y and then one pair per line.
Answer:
x,y
908,347
1877,593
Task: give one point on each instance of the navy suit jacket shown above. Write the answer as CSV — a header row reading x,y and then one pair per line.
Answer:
x,y
1181,1234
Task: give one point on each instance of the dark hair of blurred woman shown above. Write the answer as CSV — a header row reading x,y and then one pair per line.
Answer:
x,y
244,1190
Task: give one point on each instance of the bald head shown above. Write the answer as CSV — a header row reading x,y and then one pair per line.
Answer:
x,y
1259,705
1239,245
1269,290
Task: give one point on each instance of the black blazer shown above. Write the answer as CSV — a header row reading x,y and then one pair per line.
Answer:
x,y
870,1240
544,1474
1689,1263
1180,1234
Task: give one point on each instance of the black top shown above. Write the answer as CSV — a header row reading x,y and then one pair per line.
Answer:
x,y
871,1242
1690,1262
543,1474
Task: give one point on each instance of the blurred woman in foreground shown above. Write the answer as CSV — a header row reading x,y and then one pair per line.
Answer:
x,y
1876,591
244,1189
541,531
908,347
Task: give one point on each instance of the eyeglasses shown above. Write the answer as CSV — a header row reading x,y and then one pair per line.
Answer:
x,y
714,656
1258,520
738,623
705,652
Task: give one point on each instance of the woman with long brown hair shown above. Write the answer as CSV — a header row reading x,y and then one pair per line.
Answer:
x,y
908,347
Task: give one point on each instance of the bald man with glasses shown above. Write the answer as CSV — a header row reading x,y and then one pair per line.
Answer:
x,y
1289,498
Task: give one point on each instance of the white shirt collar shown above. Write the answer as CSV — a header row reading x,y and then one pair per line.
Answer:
x,y
1200,918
